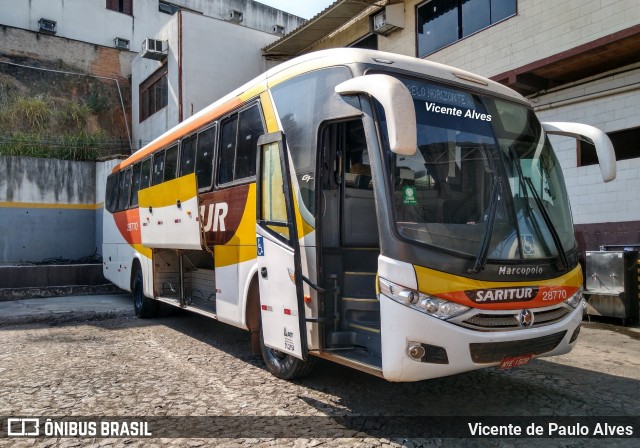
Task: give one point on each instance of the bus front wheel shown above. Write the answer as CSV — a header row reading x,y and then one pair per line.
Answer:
x,y
283,365
142,305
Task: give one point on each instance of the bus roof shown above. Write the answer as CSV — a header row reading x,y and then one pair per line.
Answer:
x,y
310,62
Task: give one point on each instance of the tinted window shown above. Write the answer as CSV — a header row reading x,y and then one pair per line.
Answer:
x,y
442,22
301,119
125,189
135,185
204,157
158,167
227,149
187,155
145,174
111,199
249,129
170,163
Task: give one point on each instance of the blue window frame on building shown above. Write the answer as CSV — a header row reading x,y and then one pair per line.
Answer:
x,y
443,22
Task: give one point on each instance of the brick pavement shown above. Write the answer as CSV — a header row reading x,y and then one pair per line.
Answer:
x,y
188,365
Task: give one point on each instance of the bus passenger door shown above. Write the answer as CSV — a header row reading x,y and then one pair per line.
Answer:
x,y
279,266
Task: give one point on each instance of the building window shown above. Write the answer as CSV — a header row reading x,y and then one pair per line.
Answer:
x,y
168,8
154,93
123,6
625,144
443,22
369,43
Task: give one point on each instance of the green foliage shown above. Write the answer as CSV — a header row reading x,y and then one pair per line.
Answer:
x,y
34,112
78,145
97,102
74,115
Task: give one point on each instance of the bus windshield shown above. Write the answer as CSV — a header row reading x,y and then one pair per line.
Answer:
x,y
484,178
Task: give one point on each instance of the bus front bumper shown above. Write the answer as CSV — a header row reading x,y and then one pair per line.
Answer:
x,y
451,349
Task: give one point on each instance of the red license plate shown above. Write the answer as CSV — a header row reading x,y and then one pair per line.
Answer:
x,y
515,361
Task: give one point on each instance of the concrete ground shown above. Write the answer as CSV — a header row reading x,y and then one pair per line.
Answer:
x,y
90,356
64,309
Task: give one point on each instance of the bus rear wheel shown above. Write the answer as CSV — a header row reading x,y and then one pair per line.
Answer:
x,y
283,365
142,305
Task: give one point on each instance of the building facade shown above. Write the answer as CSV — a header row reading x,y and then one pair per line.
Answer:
x,y
577,60
203,59
125,24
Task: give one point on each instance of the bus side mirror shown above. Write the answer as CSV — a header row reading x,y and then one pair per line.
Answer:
x,y
397,104
604,148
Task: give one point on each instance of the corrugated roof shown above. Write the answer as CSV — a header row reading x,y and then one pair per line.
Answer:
x,y
332,18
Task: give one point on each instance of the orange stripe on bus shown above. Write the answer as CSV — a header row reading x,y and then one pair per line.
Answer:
x,y
181,131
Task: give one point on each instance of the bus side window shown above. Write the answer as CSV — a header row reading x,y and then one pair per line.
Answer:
x,y
187,155
111,199
158,167
249,129
145,174
227,150
170,163
125,189
204,157
135,185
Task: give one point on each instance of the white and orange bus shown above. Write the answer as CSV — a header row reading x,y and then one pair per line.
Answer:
x,y
391,214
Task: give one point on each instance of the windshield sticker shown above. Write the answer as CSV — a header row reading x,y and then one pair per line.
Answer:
x,y
528,244
439,94
409,195
455,112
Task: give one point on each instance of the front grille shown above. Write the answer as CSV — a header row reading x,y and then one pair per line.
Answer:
x,y
497,322
482,353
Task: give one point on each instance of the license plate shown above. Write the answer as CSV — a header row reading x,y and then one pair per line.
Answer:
x,y
514,361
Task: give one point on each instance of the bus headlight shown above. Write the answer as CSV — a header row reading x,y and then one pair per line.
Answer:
x,y
575,299
433,306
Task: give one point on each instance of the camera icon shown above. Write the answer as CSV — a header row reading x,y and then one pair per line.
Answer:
x,y
23,427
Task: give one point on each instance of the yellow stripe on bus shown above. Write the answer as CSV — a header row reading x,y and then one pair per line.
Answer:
x,y
143,250
269,113
9,204
435,282
254,91
169,193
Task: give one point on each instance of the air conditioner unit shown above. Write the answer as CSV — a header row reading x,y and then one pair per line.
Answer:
x,y
47,26
278,29
120,43
154,49
235,16
388,20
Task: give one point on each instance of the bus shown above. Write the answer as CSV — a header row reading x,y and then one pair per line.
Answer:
x,y
391,214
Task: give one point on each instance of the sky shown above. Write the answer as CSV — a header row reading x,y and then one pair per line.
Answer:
x,y
302,8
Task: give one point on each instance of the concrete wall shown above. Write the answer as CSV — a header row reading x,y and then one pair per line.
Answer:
x,y
49,208
91,21
211,71
216,56
89,58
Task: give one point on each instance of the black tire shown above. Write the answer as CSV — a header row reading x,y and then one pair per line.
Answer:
x,y
285,366
143,306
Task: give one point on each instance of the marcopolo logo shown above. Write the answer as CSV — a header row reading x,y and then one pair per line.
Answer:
x,y
520,270
495,295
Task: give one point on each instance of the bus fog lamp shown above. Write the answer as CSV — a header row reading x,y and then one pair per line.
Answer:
x,y
416,351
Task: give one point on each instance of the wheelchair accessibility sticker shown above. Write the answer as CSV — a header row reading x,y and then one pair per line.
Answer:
x,y
260,242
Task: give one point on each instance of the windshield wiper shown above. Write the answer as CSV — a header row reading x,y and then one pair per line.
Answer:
x,y
481,257
547,220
